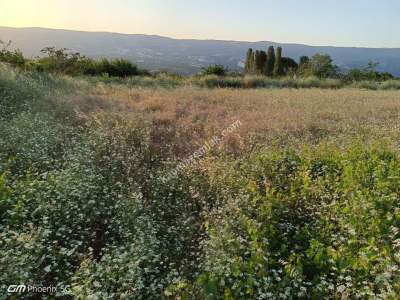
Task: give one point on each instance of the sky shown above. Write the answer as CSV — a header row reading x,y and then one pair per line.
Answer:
x,y
363,23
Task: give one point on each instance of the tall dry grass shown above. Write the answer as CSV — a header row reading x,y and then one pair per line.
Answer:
x,y
188,116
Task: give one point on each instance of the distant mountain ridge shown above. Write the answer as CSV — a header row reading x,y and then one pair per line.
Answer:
x,y
184,56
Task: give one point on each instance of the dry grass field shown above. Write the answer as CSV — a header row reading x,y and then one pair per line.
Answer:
x,y
188,116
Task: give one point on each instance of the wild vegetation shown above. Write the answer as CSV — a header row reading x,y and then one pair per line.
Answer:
x,y
300,201
64,61
272,64
261,70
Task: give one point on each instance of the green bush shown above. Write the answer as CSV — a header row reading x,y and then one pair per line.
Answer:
x,y
60,61
14,58
63,61
34,143
113,68
17,93
217,70
32,92
390,85
321,223
161,247
213,81
368,73
94,202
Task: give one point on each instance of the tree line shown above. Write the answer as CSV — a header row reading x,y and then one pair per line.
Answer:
x,y
268,63
64,61
271,63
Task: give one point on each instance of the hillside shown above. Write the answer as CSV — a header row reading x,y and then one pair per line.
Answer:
x,y
183,56
120,192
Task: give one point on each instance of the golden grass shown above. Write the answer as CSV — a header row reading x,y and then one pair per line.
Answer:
x,y
188,116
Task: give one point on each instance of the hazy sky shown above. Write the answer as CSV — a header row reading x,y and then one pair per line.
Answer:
x,y
370,23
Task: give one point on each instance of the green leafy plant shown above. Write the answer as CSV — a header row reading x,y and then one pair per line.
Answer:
x,y
218,70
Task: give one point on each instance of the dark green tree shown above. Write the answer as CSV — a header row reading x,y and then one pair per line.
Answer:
x,y
261,58
256,61
248,64
278,63
252,63
289,66
304,66
304,60
322,66
269,66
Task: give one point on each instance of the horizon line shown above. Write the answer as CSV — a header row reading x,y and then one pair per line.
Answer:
x,y
194,39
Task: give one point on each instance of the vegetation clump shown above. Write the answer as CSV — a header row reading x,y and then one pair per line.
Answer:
x,y
272,64
368,73
63,61
218,70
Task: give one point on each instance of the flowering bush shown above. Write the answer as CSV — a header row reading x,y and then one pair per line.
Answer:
x,y
317,224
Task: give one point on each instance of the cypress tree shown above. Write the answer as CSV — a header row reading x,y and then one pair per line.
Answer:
x,y
269,66
263,61
278,62
248,64
260,60
252,63
257,61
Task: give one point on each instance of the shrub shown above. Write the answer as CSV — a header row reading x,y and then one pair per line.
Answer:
x,y
213,81
161,247
218,70
368,73
63,61
113,196
14,58
33,144
60,61
113,68
391,85
17,93
321,223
